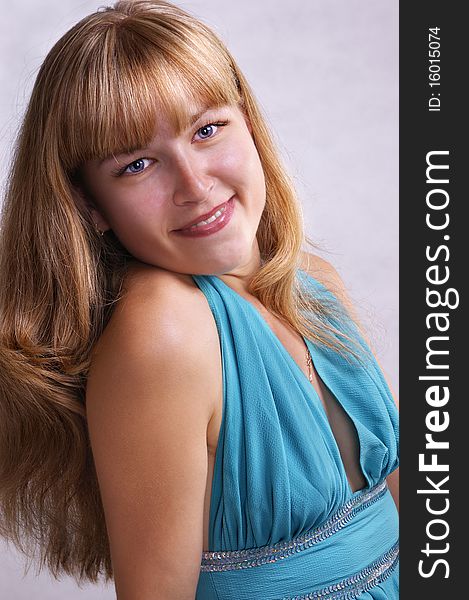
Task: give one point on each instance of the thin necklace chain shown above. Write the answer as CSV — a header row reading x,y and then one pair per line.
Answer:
x,y
309,364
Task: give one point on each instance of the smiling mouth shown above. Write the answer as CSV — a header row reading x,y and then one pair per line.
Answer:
x,y
209,223
206,219
211,219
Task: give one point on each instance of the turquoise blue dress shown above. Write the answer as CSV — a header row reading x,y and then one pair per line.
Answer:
x,y
284,523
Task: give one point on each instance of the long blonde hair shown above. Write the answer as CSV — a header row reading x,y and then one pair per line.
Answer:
x,y
59,281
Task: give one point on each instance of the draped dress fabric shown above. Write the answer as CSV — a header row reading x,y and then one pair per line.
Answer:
x,y
284,522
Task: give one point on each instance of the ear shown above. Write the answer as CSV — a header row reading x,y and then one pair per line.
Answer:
x,y
88,207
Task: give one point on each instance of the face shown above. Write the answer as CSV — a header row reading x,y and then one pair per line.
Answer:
x,y
189,203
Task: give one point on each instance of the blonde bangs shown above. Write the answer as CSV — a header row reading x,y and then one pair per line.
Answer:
x,y
134,72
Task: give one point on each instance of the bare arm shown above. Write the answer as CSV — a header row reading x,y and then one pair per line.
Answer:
x,y
150,395
324,272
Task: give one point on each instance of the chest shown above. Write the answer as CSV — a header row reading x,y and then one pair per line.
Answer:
x,y
340,423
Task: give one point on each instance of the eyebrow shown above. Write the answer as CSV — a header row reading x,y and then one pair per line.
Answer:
x,y
189,123
195,117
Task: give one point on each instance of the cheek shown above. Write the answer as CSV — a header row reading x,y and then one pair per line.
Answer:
x,y
138,205
242,165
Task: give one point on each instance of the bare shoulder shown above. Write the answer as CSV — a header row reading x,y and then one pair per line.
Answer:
x,y
154,380
164,296
161,325
162,313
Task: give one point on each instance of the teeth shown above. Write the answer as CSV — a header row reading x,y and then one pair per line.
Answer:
x,y
211,219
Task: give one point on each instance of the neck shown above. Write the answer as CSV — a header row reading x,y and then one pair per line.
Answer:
x,y
239,278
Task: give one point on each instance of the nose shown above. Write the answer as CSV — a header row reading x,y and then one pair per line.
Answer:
x,y
193,185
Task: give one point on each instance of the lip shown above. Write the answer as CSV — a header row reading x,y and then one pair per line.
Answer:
x,y
209,228
203,217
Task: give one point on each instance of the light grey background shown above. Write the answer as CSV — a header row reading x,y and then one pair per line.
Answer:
x,y
326,75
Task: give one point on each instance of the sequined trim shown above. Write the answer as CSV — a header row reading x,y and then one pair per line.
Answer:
x,y
253,557
353,586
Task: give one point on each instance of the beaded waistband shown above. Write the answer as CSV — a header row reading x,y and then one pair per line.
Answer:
x,y
363,581
253,557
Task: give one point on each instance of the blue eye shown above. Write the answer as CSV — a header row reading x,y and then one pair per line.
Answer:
x,y
206,131
137,166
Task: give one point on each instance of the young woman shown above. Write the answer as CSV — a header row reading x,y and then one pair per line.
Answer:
x,y
188,404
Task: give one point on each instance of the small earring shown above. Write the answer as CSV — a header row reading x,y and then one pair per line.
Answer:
x,y
98,230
